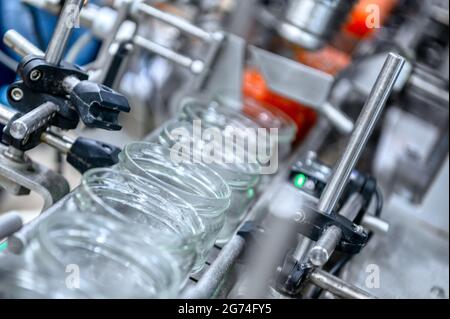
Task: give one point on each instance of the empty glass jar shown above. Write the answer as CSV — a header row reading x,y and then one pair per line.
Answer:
x,y
102,258
241,176
272,118
257,141
171,222
199,185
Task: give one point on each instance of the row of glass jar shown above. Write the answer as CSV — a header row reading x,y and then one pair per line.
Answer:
x,y
139,229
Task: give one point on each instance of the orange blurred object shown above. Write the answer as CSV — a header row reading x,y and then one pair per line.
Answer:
x,y
329,59
255,88
368,16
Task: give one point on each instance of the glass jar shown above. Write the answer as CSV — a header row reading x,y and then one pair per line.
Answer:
x,y
269,118
102,257
171,222
197,184
261,145
241,176
19,282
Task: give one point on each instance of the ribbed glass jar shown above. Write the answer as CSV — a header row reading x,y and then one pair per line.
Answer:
x,y
242,177
102,257
172,223
197,184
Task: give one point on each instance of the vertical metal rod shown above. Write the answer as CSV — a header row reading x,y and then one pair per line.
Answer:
x,y
66,22
363,130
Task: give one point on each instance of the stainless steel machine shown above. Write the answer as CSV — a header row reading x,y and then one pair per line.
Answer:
x,y
359,207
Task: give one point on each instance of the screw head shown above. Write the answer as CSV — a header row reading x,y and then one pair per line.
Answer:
x,y
35,75
17,94
299,217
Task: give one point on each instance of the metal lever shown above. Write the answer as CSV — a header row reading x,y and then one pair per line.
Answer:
x,y
363,130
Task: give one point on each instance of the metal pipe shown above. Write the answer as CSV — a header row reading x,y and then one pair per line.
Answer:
x,y
215,274
325,247
66,22
9,224
375,224
33,120
20,45
172,20
61,143
337,286
6,114
363,130
196,66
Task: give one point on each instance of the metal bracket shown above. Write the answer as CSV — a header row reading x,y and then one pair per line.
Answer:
x,y
20,177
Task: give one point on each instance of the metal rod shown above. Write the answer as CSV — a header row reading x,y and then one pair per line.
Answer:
x,y
363,130
61,143
66,22
337,286
16,42
375,224
325,247
6,114
9,224
196,66
174,21
212,278
33,120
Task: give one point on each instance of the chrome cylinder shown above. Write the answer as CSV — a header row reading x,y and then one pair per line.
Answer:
x,y
312,23
362,132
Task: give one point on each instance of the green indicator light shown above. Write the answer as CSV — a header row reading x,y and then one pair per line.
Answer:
x,y
3,246
251,193
300,180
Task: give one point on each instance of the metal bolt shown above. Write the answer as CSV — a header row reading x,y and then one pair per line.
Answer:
x,y
17,94
299,217
359,229
35,75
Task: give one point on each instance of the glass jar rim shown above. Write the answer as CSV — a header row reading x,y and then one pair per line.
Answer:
x,y
221,192
151,189
251,171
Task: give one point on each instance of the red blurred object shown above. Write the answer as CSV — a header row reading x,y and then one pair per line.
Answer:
x,y
329,59
255,88
364,15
